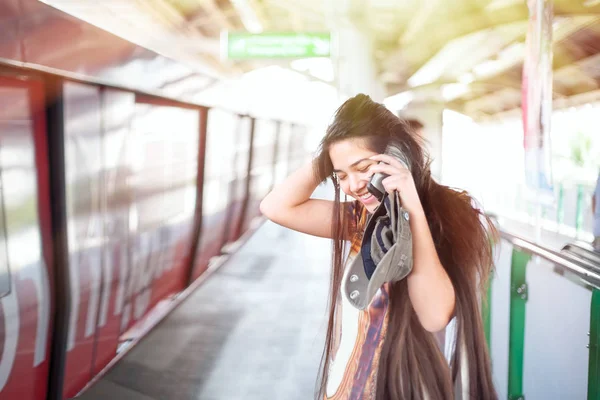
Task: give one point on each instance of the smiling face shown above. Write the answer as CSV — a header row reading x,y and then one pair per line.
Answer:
x,y
350,159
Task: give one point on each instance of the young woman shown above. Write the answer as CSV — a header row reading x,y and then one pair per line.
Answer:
x,y
420,337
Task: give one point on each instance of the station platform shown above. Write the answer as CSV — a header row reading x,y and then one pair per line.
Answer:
x,y
253,330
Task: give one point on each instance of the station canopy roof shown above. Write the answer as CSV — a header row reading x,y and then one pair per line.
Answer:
x,y
467,54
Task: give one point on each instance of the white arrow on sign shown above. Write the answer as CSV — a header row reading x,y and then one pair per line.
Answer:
x,y
321,47
238,45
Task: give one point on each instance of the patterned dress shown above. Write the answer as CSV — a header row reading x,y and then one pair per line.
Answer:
x,y
359,334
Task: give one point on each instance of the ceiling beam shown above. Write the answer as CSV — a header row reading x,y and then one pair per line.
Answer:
x,y
418,21
259,10
419,51
163,11
216,16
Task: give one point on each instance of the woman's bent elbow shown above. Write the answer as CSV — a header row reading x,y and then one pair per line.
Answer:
x,y
265,208
269,210
437,321
435,325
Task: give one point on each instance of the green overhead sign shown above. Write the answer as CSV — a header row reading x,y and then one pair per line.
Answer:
x,y
247,46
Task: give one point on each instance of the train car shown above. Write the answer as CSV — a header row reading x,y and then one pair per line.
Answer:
x,y
115,193
27,281
261,175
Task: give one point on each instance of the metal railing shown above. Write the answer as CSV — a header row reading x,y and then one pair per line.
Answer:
x,y
577,262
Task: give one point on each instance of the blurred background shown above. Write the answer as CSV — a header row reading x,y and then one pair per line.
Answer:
x,y
457,68
138,137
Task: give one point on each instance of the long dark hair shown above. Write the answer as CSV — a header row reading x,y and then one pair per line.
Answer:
x,y
410,358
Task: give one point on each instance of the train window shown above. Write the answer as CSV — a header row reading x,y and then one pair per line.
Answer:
x,y
164,143
4,268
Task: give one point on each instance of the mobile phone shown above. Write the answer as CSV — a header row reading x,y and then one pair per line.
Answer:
x,y
375,185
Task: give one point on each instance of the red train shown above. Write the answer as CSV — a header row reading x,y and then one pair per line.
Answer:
x,y
111,199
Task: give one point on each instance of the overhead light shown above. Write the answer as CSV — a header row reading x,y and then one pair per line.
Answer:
x,y
248,16
398,101
591,3
435,67
429,73
454,90
515,50
506,58
441,64
486,68
466,78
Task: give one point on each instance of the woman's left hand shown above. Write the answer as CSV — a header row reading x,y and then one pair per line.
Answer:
x,y
400,179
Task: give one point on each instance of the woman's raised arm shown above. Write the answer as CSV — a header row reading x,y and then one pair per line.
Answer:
x,y
289,204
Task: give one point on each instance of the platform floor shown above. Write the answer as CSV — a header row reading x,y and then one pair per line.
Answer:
x,y
253,330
